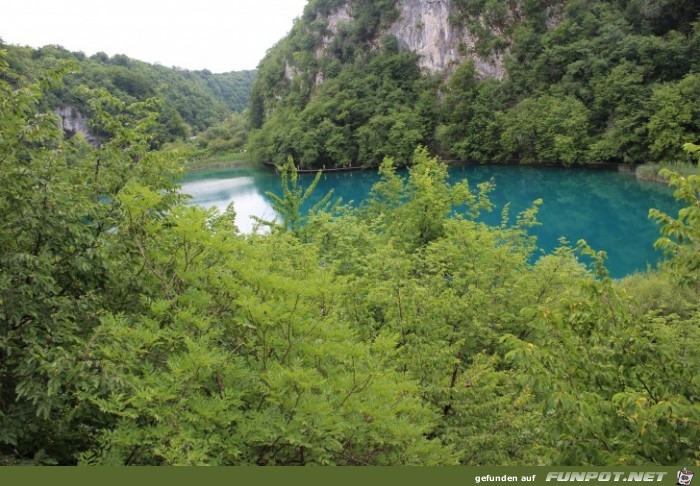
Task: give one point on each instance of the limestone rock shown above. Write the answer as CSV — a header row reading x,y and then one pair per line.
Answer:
x,y
73,122
424,27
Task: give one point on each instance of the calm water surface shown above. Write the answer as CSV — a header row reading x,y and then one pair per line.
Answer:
x,y
607,209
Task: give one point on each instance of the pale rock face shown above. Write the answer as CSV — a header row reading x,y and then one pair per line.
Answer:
x,y
333,22
290,72
424,28
336,18
73,122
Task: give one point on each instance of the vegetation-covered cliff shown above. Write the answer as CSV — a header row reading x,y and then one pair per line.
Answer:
x,y
191,101
564,81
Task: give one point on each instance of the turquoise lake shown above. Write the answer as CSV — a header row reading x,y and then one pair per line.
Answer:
x,y
607,209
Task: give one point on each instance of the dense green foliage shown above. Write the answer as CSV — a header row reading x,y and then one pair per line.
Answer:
x,y
230,134
192,100
135,329
586,81
233,88
369,111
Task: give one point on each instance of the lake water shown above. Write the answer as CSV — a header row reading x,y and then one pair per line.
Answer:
x,y
607,209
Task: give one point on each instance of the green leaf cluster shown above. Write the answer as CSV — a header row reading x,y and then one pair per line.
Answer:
x,y
138,330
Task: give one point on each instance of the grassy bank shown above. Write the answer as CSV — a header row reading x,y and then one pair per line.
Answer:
x,y
204,160
650,172
195,158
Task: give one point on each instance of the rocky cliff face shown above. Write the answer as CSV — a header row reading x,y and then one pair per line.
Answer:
x,y
424,27
333,22
73,123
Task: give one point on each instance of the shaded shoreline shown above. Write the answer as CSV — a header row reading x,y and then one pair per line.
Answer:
x,y
631,169
625,168
273,166
221,165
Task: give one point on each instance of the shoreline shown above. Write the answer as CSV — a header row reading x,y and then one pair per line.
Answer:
x,y
650,172
220,165
272,166
612,167
635,170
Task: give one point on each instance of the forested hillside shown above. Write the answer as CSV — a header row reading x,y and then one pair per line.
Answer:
x,y
138,330
192,101
532,81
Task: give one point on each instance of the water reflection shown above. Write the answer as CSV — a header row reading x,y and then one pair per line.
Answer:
x,y
607,209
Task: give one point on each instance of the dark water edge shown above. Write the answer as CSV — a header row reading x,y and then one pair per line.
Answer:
x,y
607,208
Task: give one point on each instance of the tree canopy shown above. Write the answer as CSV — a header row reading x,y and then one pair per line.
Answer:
x,y
192,101
136,329
579,77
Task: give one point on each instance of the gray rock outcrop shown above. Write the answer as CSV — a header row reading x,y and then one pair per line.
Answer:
x,y
73,123
424,27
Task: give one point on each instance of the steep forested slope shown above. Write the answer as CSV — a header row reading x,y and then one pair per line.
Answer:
x,y
233,88
566,81
192,101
